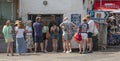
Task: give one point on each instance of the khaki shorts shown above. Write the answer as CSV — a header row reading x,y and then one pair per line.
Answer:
x,y
9,40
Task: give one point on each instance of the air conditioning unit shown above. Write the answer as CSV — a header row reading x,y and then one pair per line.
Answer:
x,y
10,1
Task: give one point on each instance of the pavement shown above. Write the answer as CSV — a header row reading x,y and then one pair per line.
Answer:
x,y
101,55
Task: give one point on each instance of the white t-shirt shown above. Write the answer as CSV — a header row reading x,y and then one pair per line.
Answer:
x,y
45,29
20,33
29,30
91,26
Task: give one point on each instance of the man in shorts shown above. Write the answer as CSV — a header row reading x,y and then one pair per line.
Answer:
x,y
37,26
67,28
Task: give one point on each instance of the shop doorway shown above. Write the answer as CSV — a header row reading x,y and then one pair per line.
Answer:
x,y
49,18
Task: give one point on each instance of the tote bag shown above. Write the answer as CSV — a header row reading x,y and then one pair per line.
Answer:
x,y
77,37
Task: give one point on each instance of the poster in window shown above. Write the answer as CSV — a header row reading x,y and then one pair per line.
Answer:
x,y
76,19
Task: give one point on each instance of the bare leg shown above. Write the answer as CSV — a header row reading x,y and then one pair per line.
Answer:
x,y
90,44
42,46
80,47
53,44
36,45
46,44
70,50
67,46
84,45
64,46
11,49
8,48
56,44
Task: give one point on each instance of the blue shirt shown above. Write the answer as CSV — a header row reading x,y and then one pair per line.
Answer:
x,y
37,26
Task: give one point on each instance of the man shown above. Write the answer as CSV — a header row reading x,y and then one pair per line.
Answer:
x,y
37,26
67,28
114,20
90,33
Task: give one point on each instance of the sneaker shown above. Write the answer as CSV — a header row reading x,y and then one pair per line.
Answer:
x,y
80,52
83,52
54,51
64,51
90,51
45,51
70,51
35,52
67,52
7,54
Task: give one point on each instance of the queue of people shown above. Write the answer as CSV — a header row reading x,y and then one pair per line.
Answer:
x,y
42,33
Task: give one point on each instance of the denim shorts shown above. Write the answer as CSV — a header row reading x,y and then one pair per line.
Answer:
x,y
67,37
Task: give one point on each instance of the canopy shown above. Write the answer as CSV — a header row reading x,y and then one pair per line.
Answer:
x,y
116,11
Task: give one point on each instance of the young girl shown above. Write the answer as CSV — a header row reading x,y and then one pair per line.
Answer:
x,y
55,36
20,41
44,31
7,31
83,28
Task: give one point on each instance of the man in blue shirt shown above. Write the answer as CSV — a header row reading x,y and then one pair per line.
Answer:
x,y
37,26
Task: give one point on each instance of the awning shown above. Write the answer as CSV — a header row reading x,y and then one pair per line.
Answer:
x,y
107,5
116,11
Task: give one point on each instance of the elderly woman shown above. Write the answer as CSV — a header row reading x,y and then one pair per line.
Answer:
x,y
7,31
29,37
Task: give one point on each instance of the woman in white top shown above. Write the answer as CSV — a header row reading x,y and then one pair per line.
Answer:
x,y
29,37
20,41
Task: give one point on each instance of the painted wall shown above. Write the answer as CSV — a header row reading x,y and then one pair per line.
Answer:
x,y
65,7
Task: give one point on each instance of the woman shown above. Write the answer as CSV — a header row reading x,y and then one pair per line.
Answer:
x,y
44,31
55,36
20,41
83,28
29,37
7,31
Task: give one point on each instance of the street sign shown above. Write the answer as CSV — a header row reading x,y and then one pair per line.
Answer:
x,y
98,15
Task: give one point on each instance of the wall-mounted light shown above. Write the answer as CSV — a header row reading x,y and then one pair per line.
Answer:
x,y
45,2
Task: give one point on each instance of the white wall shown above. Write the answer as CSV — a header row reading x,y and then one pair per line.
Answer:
x,y
66,7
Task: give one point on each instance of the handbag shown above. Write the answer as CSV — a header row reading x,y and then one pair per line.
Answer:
x,y
47,35
77,37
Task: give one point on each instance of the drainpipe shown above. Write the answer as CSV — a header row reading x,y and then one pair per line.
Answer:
x,y
12,10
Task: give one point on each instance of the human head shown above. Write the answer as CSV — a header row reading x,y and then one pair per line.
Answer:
x,y
20,24
54,24
113,14
29,23
66,18
38,19
8,22
16,23
45,23
84,20
88,17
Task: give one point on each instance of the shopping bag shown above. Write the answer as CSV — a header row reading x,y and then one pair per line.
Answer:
x,y
77,37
